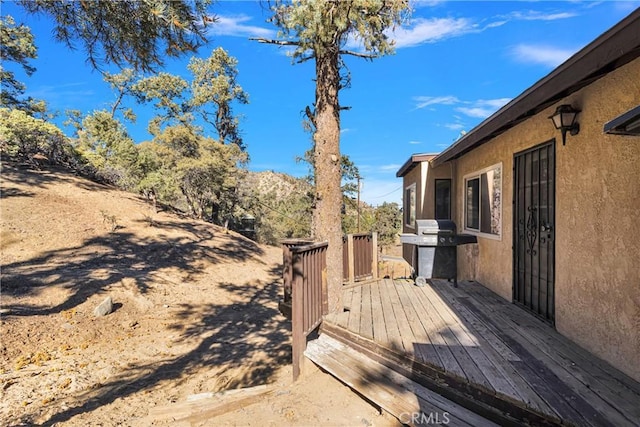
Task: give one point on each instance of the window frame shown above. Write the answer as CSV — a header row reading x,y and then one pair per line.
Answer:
x,y
478,175
410,206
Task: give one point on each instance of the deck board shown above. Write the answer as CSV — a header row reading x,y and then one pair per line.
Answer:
x,y
366,318
501,355
586,396
495,347
425,350
379,327
355,310
608,380
489,363
465,347
393,333
391,391
406,334
342,319
447,347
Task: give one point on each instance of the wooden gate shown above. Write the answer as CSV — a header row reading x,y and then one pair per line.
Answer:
x,y
534,232
359,257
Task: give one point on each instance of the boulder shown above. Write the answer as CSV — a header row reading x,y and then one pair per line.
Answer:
x,y
104,308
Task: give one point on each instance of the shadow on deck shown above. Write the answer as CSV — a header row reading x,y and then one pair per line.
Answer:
x,y
483,353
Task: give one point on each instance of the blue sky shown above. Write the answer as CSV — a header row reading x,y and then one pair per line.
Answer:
x,y
456,62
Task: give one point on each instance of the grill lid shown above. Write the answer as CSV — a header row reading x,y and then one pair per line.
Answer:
x,y
435,226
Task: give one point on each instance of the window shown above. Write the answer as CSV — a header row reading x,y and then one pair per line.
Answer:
x,y
410,206
472,217
443,199
483,201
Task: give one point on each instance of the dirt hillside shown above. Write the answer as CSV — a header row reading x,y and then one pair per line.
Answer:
x,y
194,311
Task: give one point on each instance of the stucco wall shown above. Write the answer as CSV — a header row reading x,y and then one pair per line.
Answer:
x,y
597,282
414,176
428,206
598,226
424,176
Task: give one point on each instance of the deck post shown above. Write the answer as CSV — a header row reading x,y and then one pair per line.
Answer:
x,y
351,257
374,254
298,337
324,286
308,297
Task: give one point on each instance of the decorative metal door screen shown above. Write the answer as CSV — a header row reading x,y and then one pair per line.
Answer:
x,y
534,231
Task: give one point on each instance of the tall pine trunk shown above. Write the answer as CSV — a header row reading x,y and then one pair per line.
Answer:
x,y
327,221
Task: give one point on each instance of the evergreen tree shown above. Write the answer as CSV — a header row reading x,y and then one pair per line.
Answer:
x,y
16,46
140,33
319,31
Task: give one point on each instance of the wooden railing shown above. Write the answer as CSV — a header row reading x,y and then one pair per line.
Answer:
x,y
305,275
360,257
287,272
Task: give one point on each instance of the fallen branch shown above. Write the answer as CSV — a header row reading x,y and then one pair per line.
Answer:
x,y
200,407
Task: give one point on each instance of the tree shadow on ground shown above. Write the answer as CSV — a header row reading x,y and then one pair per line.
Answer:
x,y
18,174
14,192
101,261
250,336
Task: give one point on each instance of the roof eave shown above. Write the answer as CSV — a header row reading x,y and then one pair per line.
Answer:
x,y
625,124
414,160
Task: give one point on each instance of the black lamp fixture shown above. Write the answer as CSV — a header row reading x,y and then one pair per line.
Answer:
x,y
565,119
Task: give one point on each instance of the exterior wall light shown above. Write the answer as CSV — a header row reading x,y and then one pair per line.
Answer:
x,y
565,119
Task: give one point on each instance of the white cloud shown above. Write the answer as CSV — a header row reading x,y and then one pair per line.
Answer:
x,y
62,96
234,26
63,90
496,24
483,108
493,103
537,54
534,15
425,101
391,167
477,112
431,30
415,142
480,108
454,126
625,6
417,4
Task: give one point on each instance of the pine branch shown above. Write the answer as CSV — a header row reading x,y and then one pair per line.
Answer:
x,y
310,115
277,42
358,54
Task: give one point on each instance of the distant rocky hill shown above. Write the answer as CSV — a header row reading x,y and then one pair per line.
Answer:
x,y
274,184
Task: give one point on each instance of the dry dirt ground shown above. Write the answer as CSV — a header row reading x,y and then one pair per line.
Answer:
x,y
195,311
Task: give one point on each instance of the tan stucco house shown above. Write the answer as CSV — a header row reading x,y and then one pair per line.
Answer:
x,y
557,223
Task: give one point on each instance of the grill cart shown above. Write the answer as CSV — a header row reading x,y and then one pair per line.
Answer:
x,y
435,250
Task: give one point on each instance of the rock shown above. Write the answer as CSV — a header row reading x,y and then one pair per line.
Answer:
x,y
131,324
104,308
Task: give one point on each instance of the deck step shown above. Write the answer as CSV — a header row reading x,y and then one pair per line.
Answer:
x,y
408,401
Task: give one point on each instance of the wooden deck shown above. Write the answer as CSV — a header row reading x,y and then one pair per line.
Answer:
x,y
484,353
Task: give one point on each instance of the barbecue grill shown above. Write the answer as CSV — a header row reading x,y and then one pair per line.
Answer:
x,y
435,250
